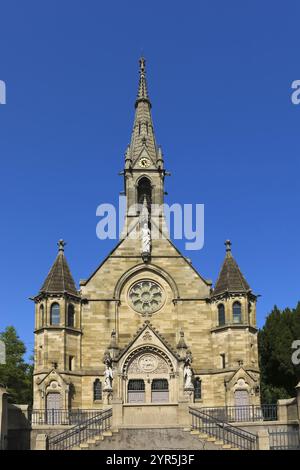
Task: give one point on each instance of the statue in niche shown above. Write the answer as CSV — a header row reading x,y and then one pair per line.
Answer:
x,y
146,238
145,230
188,372
108,373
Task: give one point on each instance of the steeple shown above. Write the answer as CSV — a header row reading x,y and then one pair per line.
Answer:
x,y
142,137
231,279
144,167
142,91
59,279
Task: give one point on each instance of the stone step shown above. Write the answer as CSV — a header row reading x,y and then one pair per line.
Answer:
x,y
83,445
202,435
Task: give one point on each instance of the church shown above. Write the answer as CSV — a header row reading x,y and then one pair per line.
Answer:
x,y
145,334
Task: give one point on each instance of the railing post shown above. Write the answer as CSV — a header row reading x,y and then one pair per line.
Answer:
x,y
263,439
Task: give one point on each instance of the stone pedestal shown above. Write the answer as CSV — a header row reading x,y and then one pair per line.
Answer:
x,y
189,394
107,396
263,439
41,442
184,418
117,417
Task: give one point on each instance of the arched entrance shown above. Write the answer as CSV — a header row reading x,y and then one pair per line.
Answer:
x,y
148,371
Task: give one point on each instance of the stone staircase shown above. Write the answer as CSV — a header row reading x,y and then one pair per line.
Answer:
x,y
153,439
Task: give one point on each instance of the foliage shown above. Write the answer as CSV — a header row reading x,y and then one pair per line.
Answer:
x,y
279,375
16,374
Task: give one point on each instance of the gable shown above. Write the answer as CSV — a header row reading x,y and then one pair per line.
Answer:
x,y
127,254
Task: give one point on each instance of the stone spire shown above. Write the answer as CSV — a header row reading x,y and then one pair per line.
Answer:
x,y
142,91
230,279
59,279
142,137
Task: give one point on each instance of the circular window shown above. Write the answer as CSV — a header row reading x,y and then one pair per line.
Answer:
x,y
146,297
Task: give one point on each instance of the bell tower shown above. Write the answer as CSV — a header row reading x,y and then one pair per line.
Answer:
x,y
144,171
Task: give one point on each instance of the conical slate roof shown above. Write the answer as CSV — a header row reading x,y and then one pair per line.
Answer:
x,y
230,278
59,279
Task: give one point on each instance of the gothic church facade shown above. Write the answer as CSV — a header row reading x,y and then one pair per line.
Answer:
x,y
145,334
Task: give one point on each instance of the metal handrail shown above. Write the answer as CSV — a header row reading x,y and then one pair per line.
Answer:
x,y
60,417
243,413
82,431
222,430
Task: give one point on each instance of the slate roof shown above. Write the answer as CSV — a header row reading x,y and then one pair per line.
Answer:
x,y
230,278
59,279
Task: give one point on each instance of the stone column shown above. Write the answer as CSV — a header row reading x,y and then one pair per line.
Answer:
x,y
148,389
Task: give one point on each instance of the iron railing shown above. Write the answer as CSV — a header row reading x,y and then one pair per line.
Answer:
x,y
234,414
284,439
54,417
83,431
222,431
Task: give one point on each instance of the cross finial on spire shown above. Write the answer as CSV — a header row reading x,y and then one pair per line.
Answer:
x,y
142,91
61,245
228,246
142,65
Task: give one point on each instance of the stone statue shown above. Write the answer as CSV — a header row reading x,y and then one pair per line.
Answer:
x,y
108,378
108,373
188,371
146,238
188,377
145,231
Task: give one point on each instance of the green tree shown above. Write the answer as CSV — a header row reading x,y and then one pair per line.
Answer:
x,y
279,375
16,374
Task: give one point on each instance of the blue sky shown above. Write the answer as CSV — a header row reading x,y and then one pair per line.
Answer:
x,y
219,76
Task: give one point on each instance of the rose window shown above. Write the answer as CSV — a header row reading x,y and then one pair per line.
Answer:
x,y
146,297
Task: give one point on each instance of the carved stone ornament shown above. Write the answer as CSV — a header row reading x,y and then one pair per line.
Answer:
x,y
148,364
146,297
147,336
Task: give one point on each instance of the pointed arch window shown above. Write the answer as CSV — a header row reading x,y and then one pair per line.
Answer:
x,y
221,314
237,312
42,319
197,389
71,315
144,189
55,314
97,390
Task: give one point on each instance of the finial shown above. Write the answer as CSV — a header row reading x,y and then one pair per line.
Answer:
x,y
142,65
181,343
61,245
142,90
228,246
